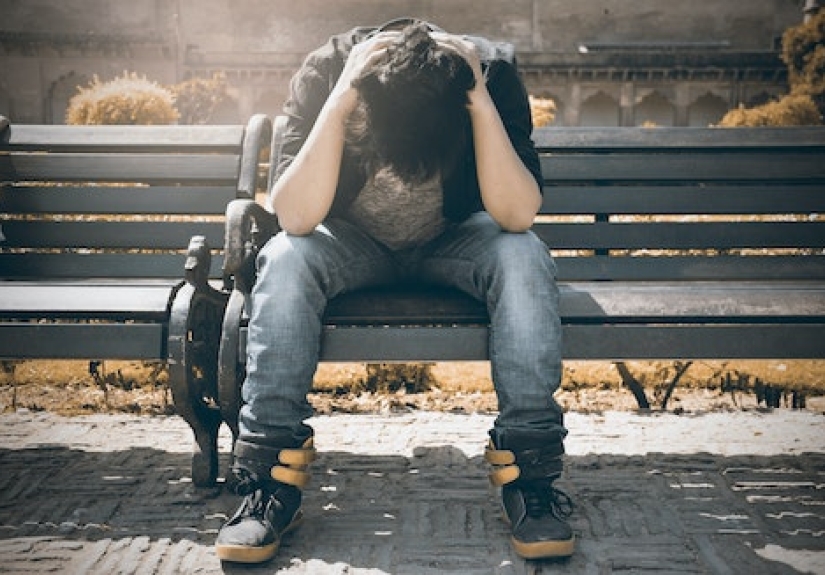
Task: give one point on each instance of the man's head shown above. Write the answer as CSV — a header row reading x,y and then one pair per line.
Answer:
x,y
414,106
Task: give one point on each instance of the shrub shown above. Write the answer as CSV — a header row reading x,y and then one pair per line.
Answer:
x,y
128,99
543,111
197,99
792,110
803,52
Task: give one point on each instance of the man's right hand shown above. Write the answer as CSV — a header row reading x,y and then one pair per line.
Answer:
x,y
363,57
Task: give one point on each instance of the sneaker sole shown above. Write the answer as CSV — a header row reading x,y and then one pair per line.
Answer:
x,y
248,554
244,554
543,549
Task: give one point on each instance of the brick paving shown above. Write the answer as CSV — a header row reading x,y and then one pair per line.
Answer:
x,y
722,493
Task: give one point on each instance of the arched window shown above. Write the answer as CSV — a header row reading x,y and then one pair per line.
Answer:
x,y
654,110
599,110
60,92
706,110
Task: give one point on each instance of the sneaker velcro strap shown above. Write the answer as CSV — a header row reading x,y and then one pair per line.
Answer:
x,y
503,461
290,475
495,456
504,475
294,464
298,457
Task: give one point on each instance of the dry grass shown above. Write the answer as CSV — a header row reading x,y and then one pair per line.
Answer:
x,y
67,387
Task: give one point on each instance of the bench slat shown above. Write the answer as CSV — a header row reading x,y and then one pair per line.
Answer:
x,y
689,268
551,138
72,341
175,138
584,342
696,302
119,167
130,300
698,235
628,342
595,302
688,166
116,200
108,234
47,266
685,199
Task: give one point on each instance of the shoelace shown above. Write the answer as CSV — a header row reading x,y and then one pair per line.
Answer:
x,y
542,498
254,504
243,482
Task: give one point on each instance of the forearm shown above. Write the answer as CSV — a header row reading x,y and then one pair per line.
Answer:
x,y
508,190
303,195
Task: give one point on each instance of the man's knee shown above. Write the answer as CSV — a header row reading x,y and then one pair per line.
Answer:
x,y
286,255
522,254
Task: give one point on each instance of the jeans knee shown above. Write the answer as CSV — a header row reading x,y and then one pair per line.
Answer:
x,y
284,256
523,255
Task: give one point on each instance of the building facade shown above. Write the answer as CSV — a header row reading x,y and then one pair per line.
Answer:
x,y
604,63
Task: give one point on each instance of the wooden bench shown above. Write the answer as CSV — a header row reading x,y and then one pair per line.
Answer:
x,y
94,227
671,243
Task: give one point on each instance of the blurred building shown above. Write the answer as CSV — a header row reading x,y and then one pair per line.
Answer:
x,y
605,63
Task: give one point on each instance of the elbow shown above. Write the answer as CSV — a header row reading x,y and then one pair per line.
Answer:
x,y
519,218
517,224
294,220
296,226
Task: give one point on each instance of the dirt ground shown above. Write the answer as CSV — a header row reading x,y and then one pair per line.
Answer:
x,y
68,388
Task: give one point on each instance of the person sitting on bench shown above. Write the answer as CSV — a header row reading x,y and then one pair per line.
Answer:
x,y
407,158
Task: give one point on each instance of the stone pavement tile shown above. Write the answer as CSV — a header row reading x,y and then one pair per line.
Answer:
x,y
409,494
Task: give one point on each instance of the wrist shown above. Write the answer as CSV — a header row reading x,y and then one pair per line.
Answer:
x,y
480,102
341,104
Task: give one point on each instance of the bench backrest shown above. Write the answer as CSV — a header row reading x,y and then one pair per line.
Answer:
x,y
119,201
684,203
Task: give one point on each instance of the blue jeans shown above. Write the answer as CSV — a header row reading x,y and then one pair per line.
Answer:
x,y
513,273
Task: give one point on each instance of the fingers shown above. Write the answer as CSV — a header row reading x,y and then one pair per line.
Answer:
x,y
463,47
369,53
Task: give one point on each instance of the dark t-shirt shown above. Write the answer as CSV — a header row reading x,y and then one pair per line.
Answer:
x,y
311,85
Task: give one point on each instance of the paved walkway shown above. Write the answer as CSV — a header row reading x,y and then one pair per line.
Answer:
x,y
717,493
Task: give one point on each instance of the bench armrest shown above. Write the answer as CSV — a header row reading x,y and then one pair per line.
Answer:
x,y
257,137
248,227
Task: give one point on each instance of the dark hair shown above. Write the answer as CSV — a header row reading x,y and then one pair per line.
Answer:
x,y
414,107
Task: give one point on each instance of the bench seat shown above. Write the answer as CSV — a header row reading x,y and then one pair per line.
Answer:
x,y
85,319
703,320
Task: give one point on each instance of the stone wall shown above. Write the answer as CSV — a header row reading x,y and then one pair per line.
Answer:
x,y
610,62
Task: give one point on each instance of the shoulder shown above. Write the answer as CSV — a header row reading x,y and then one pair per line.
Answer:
x,y
336,49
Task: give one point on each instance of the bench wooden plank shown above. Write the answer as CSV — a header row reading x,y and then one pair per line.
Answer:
x,y
724,342
145,300
761,198
677,138
691,268
172,200
50,266
91,341
108,234
595,302
58,138
582,342
82,167
693,302
687,166
681,236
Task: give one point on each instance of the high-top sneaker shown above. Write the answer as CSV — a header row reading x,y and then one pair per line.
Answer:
x,y
525,469
272,501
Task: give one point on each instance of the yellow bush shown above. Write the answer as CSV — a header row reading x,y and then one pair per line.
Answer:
x,y
197,99
543,111
792,110
128,99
